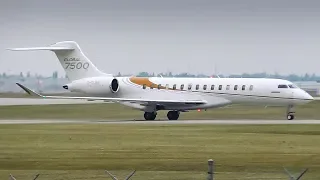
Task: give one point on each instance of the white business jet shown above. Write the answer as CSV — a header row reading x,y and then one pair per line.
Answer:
x,y
173,94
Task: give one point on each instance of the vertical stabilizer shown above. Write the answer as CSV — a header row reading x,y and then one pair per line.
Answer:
x,y
72,59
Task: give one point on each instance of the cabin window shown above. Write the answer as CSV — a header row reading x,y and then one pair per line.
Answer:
x,y
197,87
228,87
182,87
204,87
212,87
282,86
220,87
243,87
235,87
174,87
144,86
189,86
251,87
159,86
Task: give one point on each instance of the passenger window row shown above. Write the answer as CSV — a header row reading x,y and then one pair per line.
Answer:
x,y
197,87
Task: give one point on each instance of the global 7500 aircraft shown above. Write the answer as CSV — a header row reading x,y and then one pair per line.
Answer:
x,y
173,94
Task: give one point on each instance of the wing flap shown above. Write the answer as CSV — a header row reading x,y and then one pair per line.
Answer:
x,y
132,100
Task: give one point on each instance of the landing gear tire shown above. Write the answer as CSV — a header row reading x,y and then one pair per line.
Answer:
x,y
173,115
290,112
290,117
150,115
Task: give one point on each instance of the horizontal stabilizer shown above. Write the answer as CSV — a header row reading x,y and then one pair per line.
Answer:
x,y
74,62
195,102
41,48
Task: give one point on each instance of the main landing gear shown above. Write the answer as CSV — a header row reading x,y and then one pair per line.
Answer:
x,y
172,115
290,112
150,115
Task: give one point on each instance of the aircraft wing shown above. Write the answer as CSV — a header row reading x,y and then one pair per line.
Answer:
x,y
143,101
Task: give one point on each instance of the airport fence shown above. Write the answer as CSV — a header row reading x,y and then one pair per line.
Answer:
x,y
210,176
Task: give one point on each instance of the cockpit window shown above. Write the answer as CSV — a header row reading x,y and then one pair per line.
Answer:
x,y
282,86
292,86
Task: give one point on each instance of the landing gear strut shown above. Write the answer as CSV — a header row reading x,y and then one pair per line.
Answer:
x,y
150,115
290,112
173,115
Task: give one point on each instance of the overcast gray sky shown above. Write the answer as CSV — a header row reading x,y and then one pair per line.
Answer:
x,y
165,35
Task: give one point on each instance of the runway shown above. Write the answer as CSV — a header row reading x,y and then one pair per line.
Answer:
x,y
161,122
32,101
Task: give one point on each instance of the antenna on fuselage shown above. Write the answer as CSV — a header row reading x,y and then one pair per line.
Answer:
x,y
215,71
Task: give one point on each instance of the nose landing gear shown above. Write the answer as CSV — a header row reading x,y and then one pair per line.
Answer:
x,y
290,116
290,112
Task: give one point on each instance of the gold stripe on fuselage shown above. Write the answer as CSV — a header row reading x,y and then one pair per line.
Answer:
x,y
145,81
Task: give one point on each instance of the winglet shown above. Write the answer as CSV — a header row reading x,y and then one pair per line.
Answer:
x,y
29,91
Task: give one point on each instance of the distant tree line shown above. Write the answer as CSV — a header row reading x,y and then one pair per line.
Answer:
x,y
28,75
290,77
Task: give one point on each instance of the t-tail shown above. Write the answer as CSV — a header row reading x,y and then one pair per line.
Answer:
x,y
72,59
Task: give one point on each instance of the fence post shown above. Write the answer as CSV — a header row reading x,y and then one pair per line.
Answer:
x,y
127,178
294,178
13,178
210,169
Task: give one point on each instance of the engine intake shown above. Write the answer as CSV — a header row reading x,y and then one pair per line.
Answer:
x,y
114,86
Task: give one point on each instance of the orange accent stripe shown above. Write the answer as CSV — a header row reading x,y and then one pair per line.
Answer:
x,y
145,81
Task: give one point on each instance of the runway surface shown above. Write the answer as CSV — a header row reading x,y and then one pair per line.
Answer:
x,y
239,122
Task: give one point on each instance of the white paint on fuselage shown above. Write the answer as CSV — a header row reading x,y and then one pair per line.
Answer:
x,y
264,92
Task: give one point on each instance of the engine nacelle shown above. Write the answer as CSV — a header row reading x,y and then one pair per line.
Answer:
x,y
94,85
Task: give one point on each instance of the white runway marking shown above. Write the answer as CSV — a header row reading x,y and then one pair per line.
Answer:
x,y
248,122
239,122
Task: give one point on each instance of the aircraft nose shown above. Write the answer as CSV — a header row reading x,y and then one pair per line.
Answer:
x,y
306,96
309,97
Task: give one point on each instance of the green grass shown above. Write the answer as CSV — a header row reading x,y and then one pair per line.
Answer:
x,y
117,111
158,151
